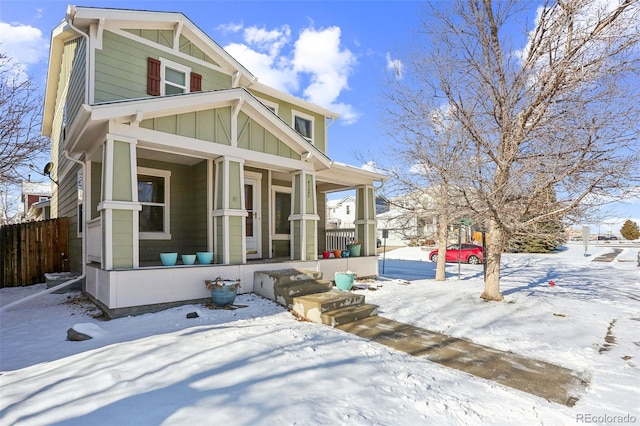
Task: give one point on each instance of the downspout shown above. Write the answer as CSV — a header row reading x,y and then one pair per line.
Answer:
x,y
87,64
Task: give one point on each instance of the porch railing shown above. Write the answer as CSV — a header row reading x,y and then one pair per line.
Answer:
x,y
94,242
338,239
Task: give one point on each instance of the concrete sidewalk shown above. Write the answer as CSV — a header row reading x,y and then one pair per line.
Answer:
x,y
608,257
540,378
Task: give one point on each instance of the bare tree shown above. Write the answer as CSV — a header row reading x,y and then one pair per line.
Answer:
x,y
558,115
20,113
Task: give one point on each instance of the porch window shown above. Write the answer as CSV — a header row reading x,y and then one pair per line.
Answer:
x,y
303,124
153,195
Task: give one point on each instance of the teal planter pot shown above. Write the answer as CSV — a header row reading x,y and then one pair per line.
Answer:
x,y
223,292
344,280
188,259
354,249
205,257
168,259
224,295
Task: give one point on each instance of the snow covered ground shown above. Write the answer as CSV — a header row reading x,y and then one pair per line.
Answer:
x,y
260,366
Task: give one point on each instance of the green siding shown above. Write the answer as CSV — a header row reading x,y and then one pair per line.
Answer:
x,y
210,125
310,207
219,246
284,112
371,212
122,239
75,52
297,196
218,202
310,242
121,69
254,137
295,229
122,171
234,186
236,224
187,211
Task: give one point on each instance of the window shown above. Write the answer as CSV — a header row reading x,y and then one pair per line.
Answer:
x,y
281,197
165,77
271,105
303,124
153,195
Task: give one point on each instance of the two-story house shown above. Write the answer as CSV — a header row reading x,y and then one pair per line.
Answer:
x,y
163,142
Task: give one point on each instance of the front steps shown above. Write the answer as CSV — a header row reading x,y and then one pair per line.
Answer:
x,y
305,293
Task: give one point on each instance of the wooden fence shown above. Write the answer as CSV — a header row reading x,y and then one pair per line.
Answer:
x,y
29,250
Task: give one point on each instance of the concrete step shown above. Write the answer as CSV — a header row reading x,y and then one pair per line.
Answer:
x,y
348,314
286,293
312,306
266,283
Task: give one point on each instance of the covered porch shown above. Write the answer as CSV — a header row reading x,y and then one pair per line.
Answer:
x,y
255,206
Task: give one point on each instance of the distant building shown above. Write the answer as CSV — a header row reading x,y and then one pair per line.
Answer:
x,y
35,201
341,213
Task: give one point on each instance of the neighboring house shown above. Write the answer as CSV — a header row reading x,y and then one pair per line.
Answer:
x,y
341,213
35,201
163,142
407,220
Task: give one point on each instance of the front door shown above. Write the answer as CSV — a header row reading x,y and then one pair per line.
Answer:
x,y
253,219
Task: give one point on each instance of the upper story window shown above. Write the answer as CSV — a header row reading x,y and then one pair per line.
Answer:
x,y
165,77
271,105
303,124
153,195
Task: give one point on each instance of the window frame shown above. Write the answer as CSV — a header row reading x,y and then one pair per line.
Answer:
x,y
166,233
307,117
167,63
284,190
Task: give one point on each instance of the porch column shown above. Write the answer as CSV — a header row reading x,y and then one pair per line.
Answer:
x,y
229,214
119,208
304,216
365,221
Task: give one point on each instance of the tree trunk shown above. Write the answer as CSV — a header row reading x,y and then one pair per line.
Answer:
x,y
493,257
443,230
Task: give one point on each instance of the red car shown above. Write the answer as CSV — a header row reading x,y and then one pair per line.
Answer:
x,y
470,253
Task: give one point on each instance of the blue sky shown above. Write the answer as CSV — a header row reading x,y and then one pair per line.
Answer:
x,y
334,53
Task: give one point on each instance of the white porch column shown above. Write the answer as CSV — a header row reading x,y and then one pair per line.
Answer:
x,y
365,221
119,207
229,212
304,216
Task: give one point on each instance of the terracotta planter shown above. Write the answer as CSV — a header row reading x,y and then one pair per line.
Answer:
x,y
337,253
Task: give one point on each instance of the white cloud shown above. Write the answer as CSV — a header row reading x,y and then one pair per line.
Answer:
x,y
396,66
24,43
230,27
315,58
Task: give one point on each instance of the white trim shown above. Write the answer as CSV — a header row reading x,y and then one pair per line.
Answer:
x,y
272,233
165,49
107,171
108,238
256,179
166,174
294,114
119,205
210,194
167,63
269,104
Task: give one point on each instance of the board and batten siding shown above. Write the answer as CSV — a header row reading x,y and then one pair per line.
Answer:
x,y
121,69
212,125
285,113
254,137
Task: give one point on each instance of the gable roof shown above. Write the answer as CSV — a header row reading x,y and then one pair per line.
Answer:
x,y
78,20
92,118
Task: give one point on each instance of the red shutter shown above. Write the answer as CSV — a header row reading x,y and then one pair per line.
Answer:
x,y
196,82
153,77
